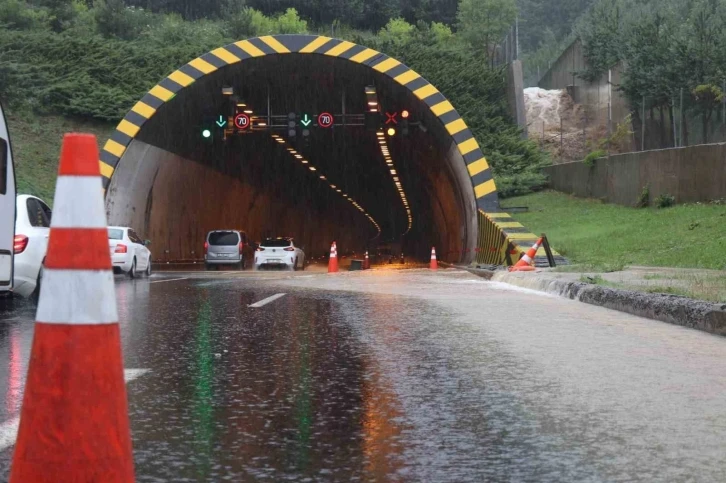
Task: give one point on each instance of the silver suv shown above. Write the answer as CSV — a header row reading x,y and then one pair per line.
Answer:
x,y
225,247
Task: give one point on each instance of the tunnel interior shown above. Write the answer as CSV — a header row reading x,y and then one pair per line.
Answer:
x,y
173,185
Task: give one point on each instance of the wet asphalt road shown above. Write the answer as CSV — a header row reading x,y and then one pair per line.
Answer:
x,y
400,376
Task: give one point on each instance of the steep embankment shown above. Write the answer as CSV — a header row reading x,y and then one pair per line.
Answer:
x,y
551,112
36,142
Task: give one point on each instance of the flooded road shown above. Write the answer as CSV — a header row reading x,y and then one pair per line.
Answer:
x,y
399,376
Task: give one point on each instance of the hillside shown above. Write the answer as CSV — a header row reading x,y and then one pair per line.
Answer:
x,y
84,66
36,146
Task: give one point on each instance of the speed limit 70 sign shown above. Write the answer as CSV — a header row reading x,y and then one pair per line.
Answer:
x,y
242,121
325,120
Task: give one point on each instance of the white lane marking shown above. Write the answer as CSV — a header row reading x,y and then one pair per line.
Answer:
x,y
170,280
9,433
267,300
131,374
9,429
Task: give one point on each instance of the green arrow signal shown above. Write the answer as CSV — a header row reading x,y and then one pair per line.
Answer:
x,y
306,121
221,122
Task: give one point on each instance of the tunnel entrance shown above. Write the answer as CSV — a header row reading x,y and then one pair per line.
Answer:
x,y
173,176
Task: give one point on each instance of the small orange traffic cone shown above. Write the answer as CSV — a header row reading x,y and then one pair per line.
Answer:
x,y
434,264
333,263
367,262
525,263
74,423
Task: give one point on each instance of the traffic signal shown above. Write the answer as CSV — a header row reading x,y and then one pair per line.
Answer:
x,y
292,124
403,123
206,132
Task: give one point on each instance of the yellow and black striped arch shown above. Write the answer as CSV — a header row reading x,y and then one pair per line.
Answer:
x,y
477,165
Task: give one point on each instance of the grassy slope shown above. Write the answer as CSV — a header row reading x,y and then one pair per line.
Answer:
x,y
608,236
36,146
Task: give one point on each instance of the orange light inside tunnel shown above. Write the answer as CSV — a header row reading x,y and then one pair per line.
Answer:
x,y
404,114
391,131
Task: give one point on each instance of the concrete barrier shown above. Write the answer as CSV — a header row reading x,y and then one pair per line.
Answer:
x,y
696,173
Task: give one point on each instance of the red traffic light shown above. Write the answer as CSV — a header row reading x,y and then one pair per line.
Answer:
x,y
404,114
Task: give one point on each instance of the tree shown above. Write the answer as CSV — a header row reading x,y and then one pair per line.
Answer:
x,y
602,38
397,31
708,97
290,23
377,13
62,13
484,23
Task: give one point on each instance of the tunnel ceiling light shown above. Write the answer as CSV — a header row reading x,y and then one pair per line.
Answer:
x,y
380,136
248,111
227,91
332,186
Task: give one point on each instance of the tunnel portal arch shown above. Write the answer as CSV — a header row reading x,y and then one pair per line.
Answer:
x,y
477,166
491,236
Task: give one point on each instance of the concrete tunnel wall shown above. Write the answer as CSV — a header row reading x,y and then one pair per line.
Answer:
x,y
174,202
168,196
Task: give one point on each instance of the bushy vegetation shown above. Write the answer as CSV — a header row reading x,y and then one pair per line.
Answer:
x,y
93,60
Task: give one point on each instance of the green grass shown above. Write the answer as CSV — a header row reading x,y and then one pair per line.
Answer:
x,y
36,145
603,236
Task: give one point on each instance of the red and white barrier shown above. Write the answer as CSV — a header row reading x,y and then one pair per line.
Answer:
x,y
333,262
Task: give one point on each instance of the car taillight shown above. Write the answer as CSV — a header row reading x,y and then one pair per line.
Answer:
x,y
241,246
120,248
289,249
206,247
20,243
260,249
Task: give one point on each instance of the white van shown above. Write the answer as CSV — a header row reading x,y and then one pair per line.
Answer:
x,y
7,208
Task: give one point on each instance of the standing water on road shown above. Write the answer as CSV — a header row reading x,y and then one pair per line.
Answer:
x,y
402,376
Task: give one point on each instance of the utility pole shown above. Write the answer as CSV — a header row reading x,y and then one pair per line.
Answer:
x,y
642,127
680,137
516,30
610,109
673,120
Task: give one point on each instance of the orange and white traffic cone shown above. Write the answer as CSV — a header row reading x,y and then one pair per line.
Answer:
x,y
525,263
434,264
74,423
333,263
367,262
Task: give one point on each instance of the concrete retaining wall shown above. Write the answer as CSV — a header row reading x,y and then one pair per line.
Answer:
x,y
690,174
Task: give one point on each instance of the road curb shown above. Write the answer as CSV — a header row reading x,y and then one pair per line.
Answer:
x,y
695,314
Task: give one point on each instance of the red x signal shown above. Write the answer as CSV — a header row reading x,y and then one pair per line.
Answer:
x,y
391,118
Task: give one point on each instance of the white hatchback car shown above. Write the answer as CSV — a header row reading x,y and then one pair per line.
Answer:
x,y
280,252
32,229
129,253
